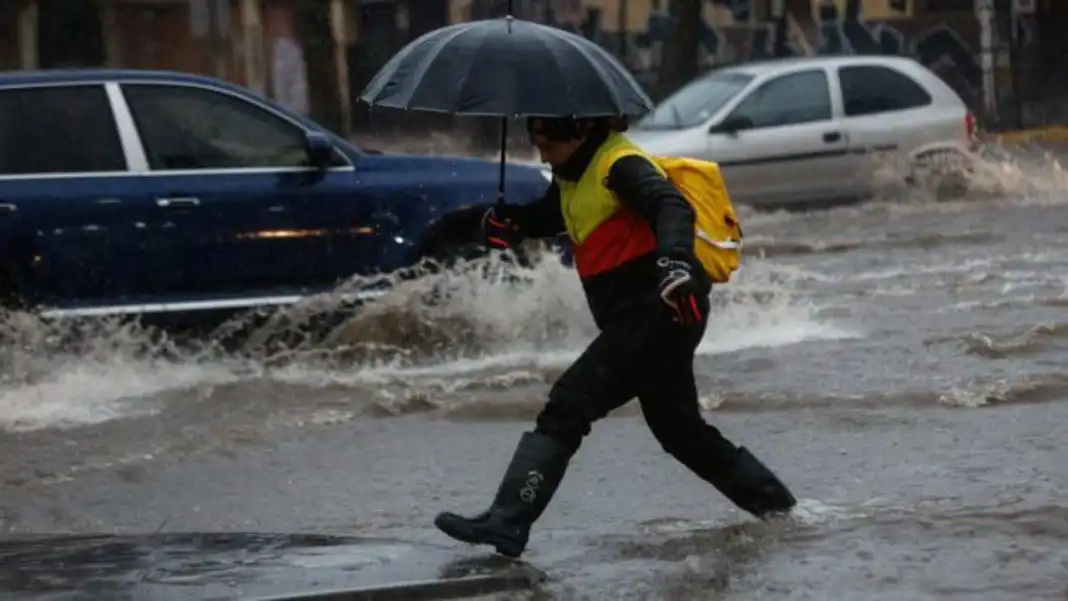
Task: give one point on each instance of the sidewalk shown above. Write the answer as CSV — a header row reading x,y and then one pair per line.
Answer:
x,y
1054,136
274,567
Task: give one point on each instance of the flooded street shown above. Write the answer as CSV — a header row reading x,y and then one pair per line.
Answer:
x,y
903,366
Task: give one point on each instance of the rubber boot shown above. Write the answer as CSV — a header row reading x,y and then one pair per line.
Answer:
x,y
528,485
753,487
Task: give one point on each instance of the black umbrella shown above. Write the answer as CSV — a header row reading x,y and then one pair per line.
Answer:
x,y
506,68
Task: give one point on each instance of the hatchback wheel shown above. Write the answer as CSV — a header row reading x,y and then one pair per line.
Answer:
x,y
946,174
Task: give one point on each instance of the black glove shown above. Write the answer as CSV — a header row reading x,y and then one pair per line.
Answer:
x,y
681,290
499,230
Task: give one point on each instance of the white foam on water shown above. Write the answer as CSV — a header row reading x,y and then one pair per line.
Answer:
x,y
488,329
941,268
739,330
91,393
808,512
102,373
762,310
814,511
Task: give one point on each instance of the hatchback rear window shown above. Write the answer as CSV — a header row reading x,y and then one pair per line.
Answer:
x,y
871,89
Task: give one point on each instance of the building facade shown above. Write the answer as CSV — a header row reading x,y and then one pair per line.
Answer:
x,y
1007,58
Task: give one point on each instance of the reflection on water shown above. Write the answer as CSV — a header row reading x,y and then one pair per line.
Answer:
x,y
203,565
900,363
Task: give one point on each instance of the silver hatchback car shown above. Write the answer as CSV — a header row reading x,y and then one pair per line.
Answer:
x,y
814,130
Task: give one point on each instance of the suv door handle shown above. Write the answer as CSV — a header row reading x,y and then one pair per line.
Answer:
x,y
7,207
177,202
832,136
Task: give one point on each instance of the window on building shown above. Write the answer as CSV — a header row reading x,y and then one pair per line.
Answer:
x,y
935,5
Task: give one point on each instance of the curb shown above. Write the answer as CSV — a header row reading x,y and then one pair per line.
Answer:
x,y
445,588
1052,133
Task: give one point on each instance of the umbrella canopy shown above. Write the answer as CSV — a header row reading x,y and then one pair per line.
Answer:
x,y
507,68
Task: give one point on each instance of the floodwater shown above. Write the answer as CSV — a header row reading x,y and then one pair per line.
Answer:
x,y
902,364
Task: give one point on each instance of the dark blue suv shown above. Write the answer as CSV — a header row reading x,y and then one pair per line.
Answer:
x,y
132,192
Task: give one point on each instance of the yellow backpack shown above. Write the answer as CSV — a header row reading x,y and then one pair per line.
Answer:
x,y
717,231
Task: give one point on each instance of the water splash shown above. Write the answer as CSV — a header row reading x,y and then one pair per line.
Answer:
x,y
482,325
995,175
447,334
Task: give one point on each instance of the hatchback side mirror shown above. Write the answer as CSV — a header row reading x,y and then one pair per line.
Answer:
x,y
320,149
732,125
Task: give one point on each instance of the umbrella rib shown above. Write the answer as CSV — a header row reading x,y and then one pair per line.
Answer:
x,y
597,66
471,65
568,88
384,75
425,65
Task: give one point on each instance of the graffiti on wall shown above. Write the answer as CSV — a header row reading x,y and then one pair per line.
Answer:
x,y
842,28
735,30
640,23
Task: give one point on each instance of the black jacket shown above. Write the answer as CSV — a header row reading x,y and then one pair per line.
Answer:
x,y
637,184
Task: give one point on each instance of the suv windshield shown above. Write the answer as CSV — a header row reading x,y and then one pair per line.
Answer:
x,y
695,102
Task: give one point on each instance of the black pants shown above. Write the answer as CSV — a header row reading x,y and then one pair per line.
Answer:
x,y
642,354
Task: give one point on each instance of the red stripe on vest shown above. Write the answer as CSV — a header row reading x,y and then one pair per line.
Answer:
x,y
621,238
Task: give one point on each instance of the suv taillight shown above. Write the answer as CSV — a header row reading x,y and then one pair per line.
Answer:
x,y
970,125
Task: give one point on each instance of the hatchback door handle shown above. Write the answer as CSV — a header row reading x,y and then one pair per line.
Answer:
x,y
832,136
177,202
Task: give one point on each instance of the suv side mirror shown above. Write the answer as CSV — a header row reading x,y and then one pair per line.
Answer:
x,y
731,125
320,149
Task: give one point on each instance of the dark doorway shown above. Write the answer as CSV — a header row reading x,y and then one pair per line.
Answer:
x,y
69,34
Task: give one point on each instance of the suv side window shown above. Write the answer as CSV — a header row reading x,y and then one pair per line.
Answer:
x,y
58,129
802,97
185,127
871,89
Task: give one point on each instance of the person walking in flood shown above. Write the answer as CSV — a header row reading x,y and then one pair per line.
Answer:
x,y
632,235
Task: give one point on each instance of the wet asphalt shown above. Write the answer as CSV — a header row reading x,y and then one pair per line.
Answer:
x,y
903,365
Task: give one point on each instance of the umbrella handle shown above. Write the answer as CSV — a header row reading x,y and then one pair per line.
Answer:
x,y
504,127
504,146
